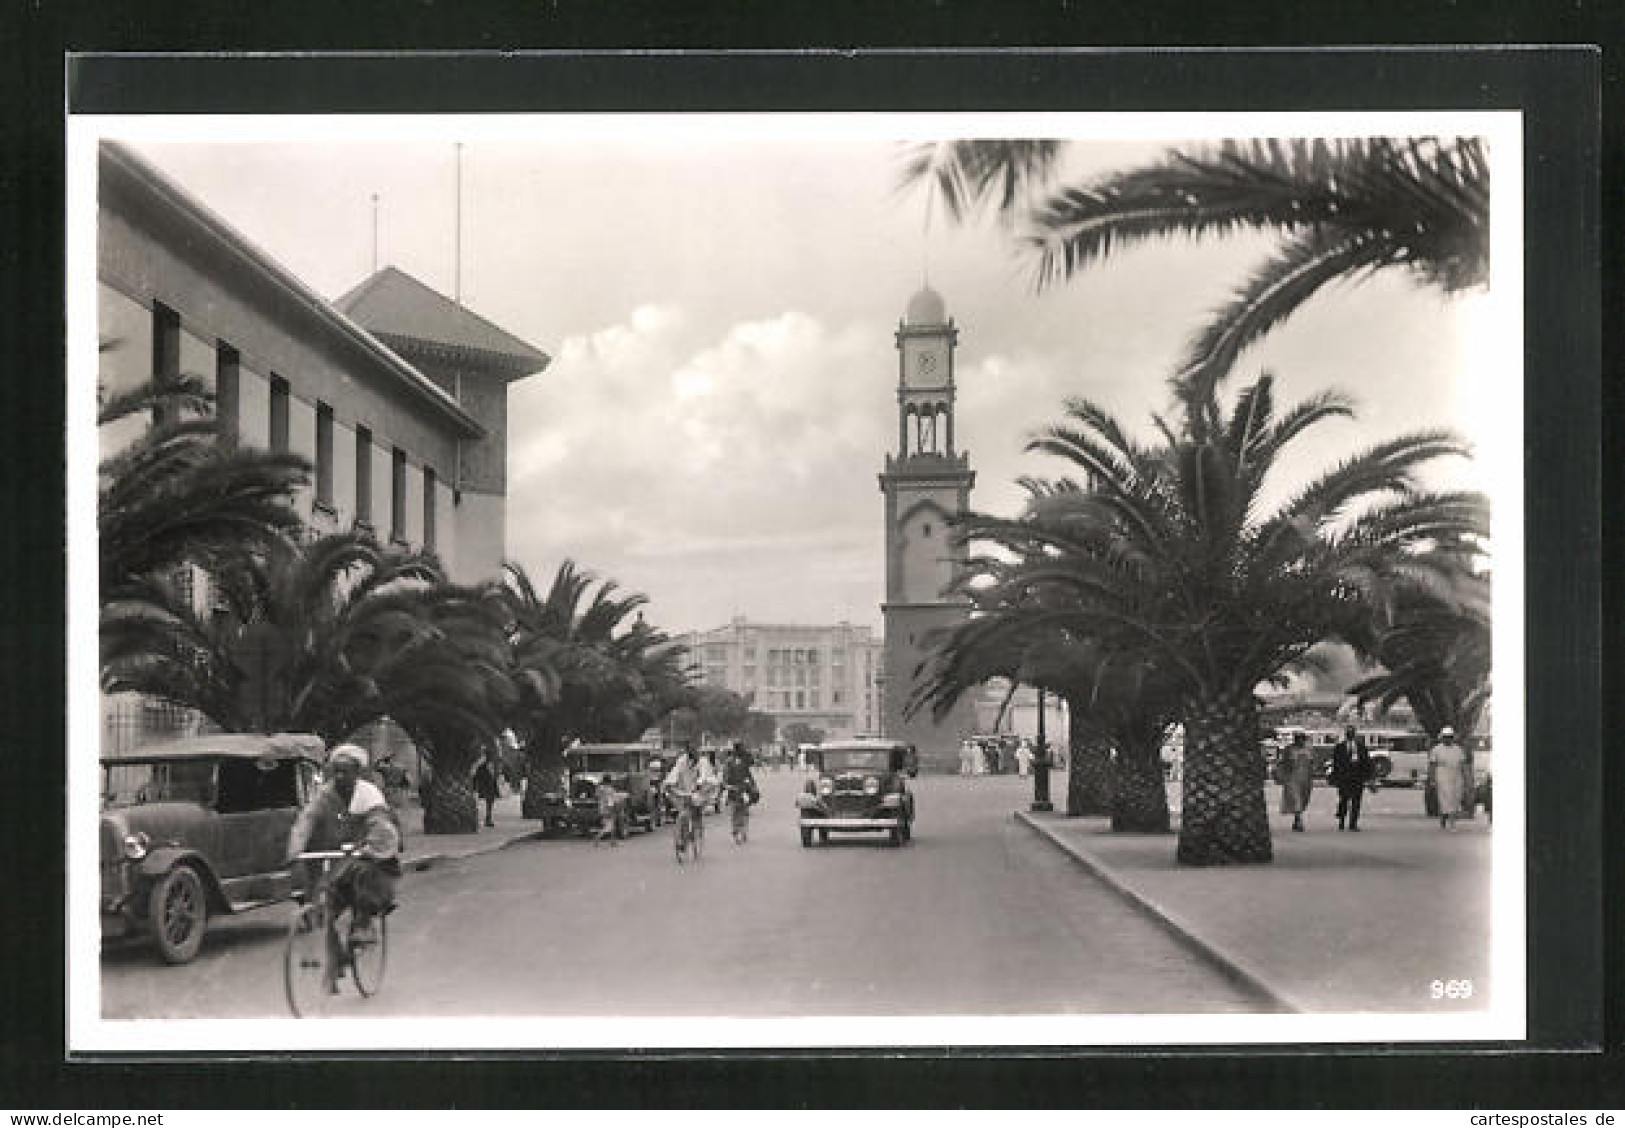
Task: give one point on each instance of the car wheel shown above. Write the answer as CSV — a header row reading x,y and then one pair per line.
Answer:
x,y
1430,802
1381,766
806,836
894,836
823,837
177,913
908,830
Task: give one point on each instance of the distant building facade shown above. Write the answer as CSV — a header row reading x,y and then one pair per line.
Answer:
x,y
926,484
826,677
396,394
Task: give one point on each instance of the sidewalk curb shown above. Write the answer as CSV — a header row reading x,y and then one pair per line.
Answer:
x,y
1231,967
429,861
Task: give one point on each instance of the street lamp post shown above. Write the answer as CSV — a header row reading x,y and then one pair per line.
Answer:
x,y
1041,765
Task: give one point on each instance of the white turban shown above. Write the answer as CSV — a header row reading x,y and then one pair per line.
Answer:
x,y
351,752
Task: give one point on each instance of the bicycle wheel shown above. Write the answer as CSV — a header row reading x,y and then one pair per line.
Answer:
x,y
367,958
698,838
304,965
680,837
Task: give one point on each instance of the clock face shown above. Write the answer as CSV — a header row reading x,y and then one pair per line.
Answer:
x,y
926,364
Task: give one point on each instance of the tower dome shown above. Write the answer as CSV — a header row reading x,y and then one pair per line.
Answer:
x,y
926,308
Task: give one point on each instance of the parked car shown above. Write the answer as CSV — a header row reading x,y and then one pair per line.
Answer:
x,y
626,767
1399,757
197,827
858,785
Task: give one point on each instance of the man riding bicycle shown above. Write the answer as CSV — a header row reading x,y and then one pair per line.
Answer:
x,y
740,785
692,780
349,811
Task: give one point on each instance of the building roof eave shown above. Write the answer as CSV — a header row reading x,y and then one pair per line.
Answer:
x,y
119,166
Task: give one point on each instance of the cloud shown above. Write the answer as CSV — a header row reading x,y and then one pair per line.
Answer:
x,y
647,452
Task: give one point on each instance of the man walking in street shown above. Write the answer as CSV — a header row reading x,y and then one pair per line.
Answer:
x,y
1351,772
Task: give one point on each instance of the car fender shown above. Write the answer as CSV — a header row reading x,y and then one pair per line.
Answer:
x,y
162,859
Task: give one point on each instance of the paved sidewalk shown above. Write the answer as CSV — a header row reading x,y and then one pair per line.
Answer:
x,y
425,850
1338,922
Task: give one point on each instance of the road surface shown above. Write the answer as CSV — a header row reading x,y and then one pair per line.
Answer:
x,y
976,916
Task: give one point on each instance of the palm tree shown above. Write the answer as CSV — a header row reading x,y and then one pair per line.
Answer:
x,y
177,494
1174,548
1436,656
325,638
1343,209
1120,705
582,674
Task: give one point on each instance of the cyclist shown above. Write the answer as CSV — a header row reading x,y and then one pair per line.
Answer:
x,y
740,785
350,811
692,779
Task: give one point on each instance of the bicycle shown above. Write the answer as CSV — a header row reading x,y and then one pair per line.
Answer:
x,y
316,958
739,804
688,833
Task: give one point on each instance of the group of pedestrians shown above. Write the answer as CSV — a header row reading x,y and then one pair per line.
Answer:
x,y
1000,757
1352,773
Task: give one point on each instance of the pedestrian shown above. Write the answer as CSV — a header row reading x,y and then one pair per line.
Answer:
x,y
1295,772
1024,758
487,787
608,804
1350,774
1448,763
967,757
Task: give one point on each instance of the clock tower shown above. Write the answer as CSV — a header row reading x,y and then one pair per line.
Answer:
x,y
926,484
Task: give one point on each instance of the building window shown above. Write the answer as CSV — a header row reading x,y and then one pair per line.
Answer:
x,y
834,697
801,677
814,698
428,508
801,699
363,477
925,529
227,396
279,414
324,455
397,496
166,350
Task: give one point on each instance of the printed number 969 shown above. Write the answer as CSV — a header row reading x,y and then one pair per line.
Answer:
x,y
1451,988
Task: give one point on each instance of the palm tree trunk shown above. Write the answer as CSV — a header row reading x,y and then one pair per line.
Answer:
x,y
544,770
449,804
1088,773
1140,799
1225,821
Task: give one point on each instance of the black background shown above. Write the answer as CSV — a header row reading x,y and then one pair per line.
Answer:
x,y
1575,1055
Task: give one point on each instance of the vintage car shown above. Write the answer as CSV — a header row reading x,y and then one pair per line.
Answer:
x,y
197,827
626,767
1399,757
858,785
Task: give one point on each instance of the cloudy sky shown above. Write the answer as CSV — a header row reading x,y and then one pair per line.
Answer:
x,y
720,312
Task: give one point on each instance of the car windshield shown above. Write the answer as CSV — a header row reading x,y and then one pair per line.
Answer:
x,y
169,781
857,759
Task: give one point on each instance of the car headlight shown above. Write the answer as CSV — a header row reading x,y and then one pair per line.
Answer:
x,y
135,846
826,786
871,786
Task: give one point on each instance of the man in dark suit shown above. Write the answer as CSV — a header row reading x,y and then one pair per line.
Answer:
x,y
1351,771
